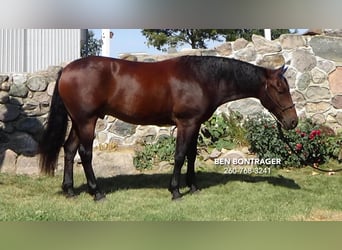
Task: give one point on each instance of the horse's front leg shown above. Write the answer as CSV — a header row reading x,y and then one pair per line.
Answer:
x,y
185,135
191,181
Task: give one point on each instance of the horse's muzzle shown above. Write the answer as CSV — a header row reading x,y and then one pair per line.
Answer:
x,y
290,123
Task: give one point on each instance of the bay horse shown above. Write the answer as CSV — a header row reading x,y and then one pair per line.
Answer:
x,y
183,91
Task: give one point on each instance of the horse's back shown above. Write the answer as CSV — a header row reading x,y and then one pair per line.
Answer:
x,y
132,91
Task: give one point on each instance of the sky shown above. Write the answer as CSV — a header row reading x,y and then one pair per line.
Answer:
x,y
132,41
127,41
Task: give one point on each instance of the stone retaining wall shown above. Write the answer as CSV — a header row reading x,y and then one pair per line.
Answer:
x,y
314,72
314,75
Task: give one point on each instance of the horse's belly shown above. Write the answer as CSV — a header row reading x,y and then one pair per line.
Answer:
x,y
143,118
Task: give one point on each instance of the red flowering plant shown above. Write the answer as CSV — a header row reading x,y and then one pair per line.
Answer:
x,y
300,147
310,144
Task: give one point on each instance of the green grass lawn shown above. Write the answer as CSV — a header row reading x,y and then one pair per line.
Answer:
x,y
283,195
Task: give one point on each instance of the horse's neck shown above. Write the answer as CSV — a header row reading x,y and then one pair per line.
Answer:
x,y
230,91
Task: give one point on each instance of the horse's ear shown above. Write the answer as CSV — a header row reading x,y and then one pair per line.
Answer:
x,y
276,72
282,69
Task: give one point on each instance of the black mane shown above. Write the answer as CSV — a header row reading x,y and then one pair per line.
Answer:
x,y
212,68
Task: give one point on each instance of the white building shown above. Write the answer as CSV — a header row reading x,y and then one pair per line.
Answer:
x,y
30,50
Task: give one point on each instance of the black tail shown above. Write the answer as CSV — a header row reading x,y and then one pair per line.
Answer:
x,y
54,135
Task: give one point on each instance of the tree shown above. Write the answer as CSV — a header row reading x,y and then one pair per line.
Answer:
x,y
196,38
161,39
233,34
92,46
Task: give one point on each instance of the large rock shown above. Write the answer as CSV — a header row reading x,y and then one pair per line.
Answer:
x,y
336,101
318,76
4,97
240,44
231,157
145,134
299,99
326,65
303,60
304,81
315,93
271,61
18,90
101,137
101,125
9,112
27,165
327,47
264,46
290,75
247,107
247,54
42,97
335,81
318,118
121,128
215,154
31,125
23,143
107,164
317,107
290,41
8,160
35,108
19,79
38,105
51,88
30,104
225,49
37,83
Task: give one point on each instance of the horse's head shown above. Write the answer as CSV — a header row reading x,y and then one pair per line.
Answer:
x,y
276,97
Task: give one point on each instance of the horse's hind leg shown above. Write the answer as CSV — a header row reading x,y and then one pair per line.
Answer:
x,y
86,136
70,148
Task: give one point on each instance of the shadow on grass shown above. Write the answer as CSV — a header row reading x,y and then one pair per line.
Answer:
x,y
204,179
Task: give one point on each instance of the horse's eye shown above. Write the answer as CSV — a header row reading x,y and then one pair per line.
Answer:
x,y
282,86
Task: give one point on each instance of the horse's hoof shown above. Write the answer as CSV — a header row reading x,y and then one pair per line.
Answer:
x,y
176,199
69,193
99,197
195,191
176,196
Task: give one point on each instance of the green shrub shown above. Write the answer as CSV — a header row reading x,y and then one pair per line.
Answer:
x,y
162,150
223,131
306,145
334,146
